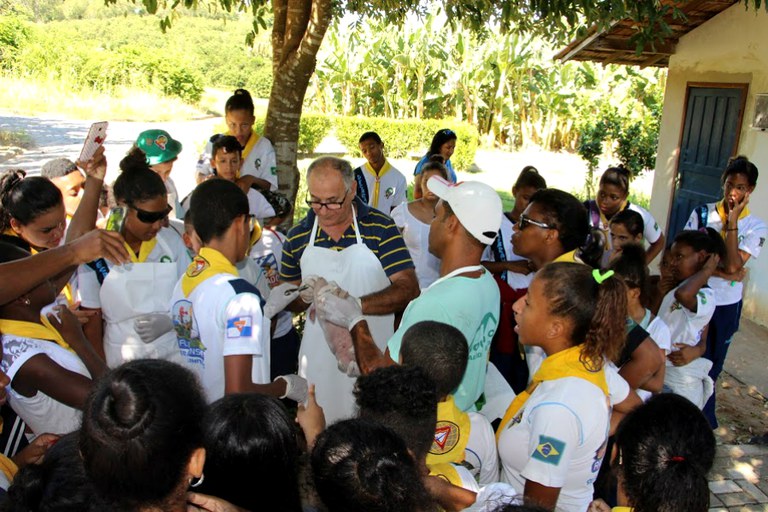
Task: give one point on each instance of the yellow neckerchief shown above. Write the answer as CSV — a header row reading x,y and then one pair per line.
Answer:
x,y
451,434
252,140
208,263
384,169
144,251
46,331
724,216
447,472
8,467
621,509
566,363
568,257
603,220
11,232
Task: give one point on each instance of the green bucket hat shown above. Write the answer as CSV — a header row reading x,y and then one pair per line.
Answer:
x,y
158,145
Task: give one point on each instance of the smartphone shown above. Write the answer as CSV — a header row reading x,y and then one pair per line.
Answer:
x,y
116,219
96,136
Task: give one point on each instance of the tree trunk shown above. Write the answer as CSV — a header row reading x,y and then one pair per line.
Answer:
x,y
298,30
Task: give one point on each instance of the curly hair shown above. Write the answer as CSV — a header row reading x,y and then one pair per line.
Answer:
x,y
598,312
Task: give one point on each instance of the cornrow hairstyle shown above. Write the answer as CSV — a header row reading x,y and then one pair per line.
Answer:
x,y
598,312
137,182
441,350
665,448
25,199
228,143
708,241
141,424
569,216
631,220
530,177
740,165
616,176
240,100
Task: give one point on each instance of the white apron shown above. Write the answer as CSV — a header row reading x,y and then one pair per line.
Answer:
x,y
357,270
130,291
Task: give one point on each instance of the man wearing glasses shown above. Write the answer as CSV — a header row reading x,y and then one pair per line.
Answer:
x,y
467,219
343,240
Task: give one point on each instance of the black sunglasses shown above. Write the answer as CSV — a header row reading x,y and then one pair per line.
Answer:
x,y
148,217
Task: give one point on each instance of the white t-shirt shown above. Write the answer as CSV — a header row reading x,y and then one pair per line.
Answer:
x,y
492,496
481,451
558,440
41,413
752,235
416,237
515,280
392,187
684,325
658,331
259,206
169,248
221,317
266,253
651,233
259,162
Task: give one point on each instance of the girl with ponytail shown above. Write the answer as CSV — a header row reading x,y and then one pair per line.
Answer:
x,y
612,198
687,310
552,438
664,450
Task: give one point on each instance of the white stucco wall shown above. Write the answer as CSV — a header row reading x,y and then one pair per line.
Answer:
x,y
730,48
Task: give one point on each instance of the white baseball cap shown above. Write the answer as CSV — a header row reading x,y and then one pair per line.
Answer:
x,y
476,205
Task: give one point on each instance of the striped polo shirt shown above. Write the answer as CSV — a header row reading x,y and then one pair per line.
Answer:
x,y
377,230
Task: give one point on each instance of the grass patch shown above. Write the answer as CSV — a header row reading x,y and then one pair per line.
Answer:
x,y
34,97
18,138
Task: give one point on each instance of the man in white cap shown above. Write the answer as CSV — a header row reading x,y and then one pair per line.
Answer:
x,y
467,218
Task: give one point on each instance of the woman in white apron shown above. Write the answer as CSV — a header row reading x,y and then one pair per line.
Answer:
x,y
138,293
357,270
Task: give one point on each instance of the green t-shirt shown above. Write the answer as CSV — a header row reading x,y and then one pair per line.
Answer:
x,y
470,305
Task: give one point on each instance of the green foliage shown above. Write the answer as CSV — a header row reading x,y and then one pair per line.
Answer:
x,y
18,138
119,47
14,34
408,136
312,129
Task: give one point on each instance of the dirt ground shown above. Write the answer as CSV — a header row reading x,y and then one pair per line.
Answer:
x,y
742,411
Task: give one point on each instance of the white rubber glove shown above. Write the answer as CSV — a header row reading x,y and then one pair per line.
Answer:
x,y
279,298
308,293
295,388
343,312
152,326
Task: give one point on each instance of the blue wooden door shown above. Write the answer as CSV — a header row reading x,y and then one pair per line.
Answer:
x,y
710,137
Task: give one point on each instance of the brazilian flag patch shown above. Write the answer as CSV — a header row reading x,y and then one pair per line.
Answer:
x,y
549,450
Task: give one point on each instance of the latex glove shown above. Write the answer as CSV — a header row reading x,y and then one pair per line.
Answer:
x,y
342,312
309,283
152,326
295,388
279,298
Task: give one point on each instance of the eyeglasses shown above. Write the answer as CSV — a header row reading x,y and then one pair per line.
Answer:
x,y
526,221
330,205
148,217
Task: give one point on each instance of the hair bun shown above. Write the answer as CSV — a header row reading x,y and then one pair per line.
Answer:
x,y
10,179
125,413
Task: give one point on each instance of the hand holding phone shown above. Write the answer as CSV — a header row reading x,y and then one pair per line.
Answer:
x,y
94,140
116,219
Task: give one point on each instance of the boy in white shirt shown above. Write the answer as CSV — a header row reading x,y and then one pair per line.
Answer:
x,y
220,323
